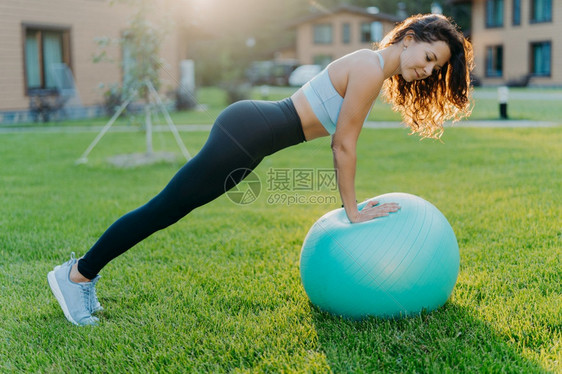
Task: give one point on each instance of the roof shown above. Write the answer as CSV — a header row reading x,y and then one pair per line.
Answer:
x,y
348,9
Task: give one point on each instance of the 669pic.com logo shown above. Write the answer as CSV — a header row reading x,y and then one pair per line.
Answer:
x,y
242,186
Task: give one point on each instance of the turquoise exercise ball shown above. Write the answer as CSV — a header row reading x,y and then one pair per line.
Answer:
x,y
389,267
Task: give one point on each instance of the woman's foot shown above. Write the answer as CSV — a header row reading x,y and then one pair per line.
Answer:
x,y
75,298
76,277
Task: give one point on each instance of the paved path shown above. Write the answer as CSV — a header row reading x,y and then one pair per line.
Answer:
x,y
468,123
95,129
191,128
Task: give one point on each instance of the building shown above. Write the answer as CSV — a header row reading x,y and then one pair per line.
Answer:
x,y
517,42
38,36
325,36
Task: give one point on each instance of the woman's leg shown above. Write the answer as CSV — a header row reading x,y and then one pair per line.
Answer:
x,y
242,135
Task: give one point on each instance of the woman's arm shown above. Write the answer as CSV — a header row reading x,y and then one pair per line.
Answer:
x,y
345,161
364,81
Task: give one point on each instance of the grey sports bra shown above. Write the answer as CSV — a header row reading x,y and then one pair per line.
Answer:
x,y
325,101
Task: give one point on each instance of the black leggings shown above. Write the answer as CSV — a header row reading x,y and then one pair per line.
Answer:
x,y
243,134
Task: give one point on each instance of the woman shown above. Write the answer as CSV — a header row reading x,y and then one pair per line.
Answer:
x,y
423,64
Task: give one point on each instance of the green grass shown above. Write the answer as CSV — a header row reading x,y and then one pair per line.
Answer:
x,y
220,291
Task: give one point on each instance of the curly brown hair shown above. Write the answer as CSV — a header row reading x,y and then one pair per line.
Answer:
x,y
445,95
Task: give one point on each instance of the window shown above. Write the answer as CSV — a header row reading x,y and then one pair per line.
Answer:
x,y
541,59
323,34
346,33
494,13
541,11
371,32
44,49
365,32
516,15
376,31
494,61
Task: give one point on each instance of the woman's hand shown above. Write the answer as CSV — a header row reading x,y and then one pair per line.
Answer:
x,y
373,210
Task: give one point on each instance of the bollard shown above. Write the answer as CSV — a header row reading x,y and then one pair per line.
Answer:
x,y
503,94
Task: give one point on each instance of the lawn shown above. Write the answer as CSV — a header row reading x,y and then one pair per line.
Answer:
x,y
220,291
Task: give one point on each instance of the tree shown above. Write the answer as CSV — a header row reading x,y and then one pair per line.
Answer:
x,y
141,61
140,43
141,64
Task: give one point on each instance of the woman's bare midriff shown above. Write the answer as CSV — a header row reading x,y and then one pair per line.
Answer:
x,y
311,126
